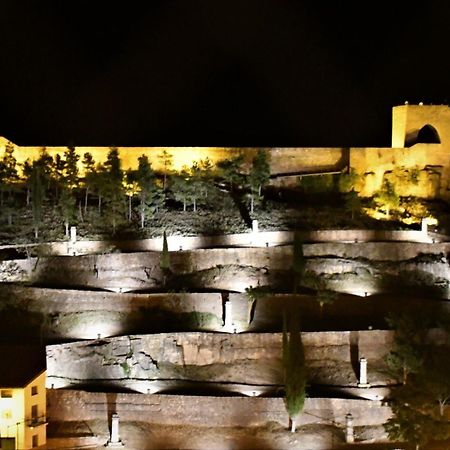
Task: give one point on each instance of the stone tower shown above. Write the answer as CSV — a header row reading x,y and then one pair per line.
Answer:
x,y
420,124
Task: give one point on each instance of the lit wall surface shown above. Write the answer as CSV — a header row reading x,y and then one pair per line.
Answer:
x,y
23,413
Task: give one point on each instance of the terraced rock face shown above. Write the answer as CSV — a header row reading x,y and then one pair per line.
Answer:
x,y
352,268
54,315
232,361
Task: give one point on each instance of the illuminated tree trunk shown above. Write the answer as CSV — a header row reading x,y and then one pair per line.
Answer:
x,y
86,194
129,208
142,213
293,422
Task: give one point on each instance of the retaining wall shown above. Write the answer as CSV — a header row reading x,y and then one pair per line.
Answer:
x,y
206,411
346,267
260,239
249,359
62,314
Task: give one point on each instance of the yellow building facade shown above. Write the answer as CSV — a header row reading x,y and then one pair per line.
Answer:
x,y
23,406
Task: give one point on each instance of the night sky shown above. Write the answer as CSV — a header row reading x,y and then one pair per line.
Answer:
x,y
217,73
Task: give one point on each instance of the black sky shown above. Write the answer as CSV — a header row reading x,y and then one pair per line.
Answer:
x,y
212,72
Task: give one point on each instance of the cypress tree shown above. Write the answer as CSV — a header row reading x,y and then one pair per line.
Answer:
x,y
164,262
298,262
294,368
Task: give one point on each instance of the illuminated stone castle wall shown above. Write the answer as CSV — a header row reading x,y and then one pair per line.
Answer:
x,y
420,141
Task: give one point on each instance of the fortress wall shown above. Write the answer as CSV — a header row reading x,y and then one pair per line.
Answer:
x,y
305,159
409,119
282,160
129,155
375,163
206,411
371,162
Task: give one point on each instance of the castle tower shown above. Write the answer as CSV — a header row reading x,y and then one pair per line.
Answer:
x,y
420,124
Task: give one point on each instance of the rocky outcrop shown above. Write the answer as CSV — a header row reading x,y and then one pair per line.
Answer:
x,y
351,268
158,362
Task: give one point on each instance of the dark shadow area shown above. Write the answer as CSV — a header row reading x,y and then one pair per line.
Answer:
x,y
111,407
240,205
354,352
426,135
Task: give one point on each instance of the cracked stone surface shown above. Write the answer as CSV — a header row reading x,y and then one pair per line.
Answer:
x,y
214,358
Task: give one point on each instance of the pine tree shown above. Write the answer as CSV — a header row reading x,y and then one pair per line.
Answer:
x,y
150,195
166,159
183,188
37,196
89,177
406,356
387,198
71,168
111,179
9,176
67,206
230,170
258,177
418,403
131,188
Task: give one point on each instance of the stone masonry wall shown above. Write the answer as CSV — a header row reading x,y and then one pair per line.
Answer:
x,y
72,405
135,362
71,314
260,239
349,267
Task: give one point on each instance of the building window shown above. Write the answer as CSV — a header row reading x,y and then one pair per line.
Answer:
x,y
34,413
6,393
34,390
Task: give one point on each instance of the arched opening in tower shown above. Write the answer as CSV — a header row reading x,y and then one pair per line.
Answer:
x,y
426,135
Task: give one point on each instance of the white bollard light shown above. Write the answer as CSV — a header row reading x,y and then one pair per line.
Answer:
x,y
114,439
363,373
349,432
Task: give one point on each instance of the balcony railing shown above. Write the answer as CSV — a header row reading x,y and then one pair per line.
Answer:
x,y
36,421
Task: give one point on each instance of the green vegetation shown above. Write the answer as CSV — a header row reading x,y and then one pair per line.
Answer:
x,y
387,198
126,369
253,295
164,262
258,178
230,170
166,160
41,199
298,262
349,181
418,403
294,367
